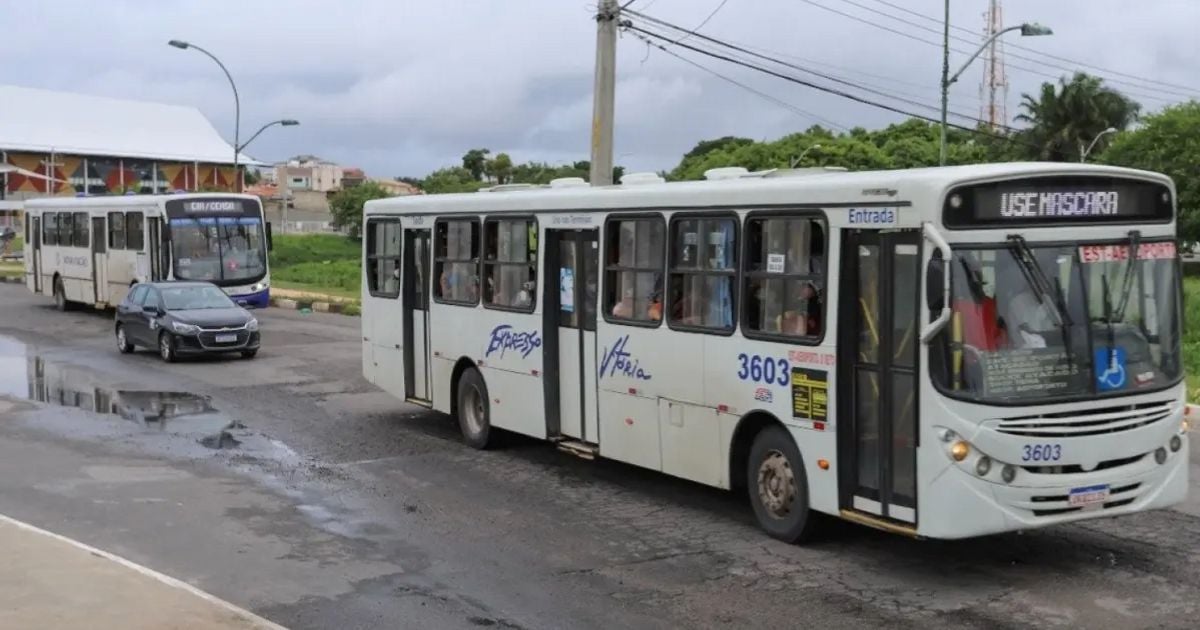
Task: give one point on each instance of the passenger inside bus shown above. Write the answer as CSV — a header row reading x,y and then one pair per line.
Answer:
x,y
804,318
976,310
458,283
1025,317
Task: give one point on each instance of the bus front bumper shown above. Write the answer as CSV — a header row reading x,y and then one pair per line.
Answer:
x,y
259,299
960,505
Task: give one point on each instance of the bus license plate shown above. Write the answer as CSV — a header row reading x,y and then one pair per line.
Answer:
x,y
226,338
1091,495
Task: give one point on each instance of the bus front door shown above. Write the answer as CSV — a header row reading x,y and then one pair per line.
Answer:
x,y
35,233
877,405
416,315
99,261
569,322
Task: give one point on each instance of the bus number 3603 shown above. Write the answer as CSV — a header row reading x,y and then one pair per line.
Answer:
x,y
1041,453
763,369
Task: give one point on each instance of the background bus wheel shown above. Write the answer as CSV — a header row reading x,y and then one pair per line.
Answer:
x,y
474,412
778,486
122,341
166,347
60,296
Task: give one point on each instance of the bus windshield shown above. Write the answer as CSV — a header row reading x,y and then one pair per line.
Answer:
x,y
1034,322
219,249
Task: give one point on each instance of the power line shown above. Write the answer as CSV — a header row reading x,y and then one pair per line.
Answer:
x,y
1046,54
704,21
958,50
825,76
781,103
1012,54
630,26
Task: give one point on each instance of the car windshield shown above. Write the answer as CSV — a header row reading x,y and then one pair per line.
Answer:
x,y
1037,322
218,248
195,298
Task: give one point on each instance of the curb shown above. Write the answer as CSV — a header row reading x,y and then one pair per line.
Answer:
x,y
12,279
319,307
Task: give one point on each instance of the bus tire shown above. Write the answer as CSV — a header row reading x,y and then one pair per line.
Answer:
x,y
474,410
778,486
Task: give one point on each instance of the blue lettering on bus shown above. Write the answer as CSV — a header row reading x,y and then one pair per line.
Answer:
x,y
872,216
505,339
618,360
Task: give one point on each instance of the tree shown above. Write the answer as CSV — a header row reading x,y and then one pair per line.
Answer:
x,y
499,169
475,161
1064,119
411,181
1168,142
346,206
454,179
251,177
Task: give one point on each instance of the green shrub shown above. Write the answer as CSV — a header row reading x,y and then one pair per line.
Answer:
x,y
353,308
342,274
292,249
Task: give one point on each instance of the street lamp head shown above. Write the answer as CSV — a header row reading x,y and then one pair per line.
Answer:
x,y
179,43
1034,29
288,122
1111,130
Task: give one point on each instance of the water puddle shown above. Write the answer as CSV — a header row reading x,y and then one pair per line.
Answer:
x,y
28,376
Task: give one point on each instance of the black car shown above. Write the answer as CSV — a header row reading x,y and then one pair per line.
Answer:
x,y
180,318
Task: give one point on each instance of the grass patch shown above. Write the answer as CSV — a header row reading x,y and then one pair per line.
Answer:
x,y
295,249
1191,335
317,263
11,269
340,274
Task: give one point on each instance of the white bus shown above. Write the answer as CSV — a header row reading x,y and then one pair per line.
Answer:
x,y
942,353
91,250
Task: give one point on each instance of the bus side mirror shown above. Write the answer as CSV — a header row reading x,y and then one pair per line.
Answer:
x,y
935,288
270,243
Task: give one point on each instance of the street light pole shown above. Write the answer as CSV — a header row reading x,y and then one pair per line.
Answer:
x,y
1084,153
804,153
237,104
1032,29
286,122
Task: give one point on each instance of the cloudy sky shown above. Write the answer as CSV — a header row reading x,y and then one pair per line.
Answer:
x,y
403,87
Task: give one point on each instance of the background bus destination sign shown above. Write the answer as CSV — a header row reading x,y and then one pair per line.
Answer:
x,y
1058,201
185,207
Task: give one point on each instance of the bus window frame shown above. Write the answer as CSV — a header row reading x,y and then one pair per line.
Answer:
x,y
439,261
822,218
737,271
141,231
536,263
81,233
369,241
49,229
605,307
114,228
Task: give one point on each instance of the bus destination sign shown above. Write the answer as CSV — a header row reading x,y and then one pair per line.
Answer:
x,y
1057,201
210,207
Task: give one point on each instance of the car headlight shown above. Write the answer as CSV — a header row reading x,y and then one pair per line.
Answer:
x,y
252,325
185,329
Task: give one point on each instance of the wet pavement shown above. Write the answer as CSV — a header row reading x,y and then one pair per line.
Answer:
x,y
330,504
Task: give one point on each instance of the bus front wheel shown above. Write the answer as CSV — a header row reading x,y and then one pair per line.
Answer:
x,y
778,486
474,410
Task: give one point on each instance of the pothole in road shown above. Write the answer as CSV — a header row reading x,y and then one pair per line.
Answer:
x,y
26,375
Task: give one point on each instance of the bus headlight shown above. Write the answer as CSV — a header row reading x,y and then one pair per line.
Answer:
x,y
252,325
959,450
259,286
983,466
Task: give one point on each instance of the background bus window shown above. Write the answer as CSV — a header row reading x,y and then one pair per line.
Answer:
x,y
510,264
82,233
383,258
635,250
703,267
135,238
784,276
50,228
456,262
116,230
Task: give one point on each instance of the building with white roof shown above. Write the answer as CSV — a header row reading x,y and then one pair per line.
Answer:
x,y
61,143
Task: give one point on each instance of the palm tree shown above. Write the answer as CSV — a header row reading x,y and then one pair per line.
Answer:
x,y
1065,118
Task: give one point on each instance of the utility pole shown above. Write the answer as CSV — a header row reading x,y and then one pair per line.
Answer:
x,y
604,93
945,83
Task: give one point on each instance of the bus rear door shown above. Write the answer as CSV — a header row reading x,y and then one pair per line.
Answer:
x,y
570,361
877,410
415,291
35,255
99,261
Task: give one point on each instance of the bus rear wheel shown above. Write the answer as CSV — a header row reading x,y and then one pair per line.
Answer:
x,y
60,296
778,486
474,410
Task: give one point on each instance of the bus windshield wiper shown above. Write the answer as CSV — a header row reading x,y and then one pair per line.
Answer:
x,y
1132,266
1108,319
1035,277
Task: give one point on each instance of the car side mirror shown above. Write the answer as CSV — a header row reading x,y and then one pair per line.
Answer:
x,y
152,310
935,284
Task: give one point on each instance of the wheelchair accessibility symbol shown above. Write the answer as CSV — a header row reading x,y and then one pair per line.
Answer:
x,y
1110,368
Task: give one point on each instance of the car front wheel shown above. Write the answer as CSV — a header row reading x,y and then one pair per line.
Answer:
x,y
123,343
166,347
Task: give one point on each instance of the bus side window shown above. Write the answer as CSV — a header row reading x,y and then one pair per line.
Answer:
x,y
116,230
510,263
82,234
383,258
50,228
633,267
134,231
703,269
784,275
66,222
456,261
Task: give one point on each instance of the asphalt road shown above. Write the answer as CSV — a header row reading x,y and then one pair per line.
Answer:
x,y
330,505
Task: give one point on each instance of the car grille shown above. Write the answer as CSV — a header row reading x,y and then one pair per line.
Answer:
x,y
208,337
1093,422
